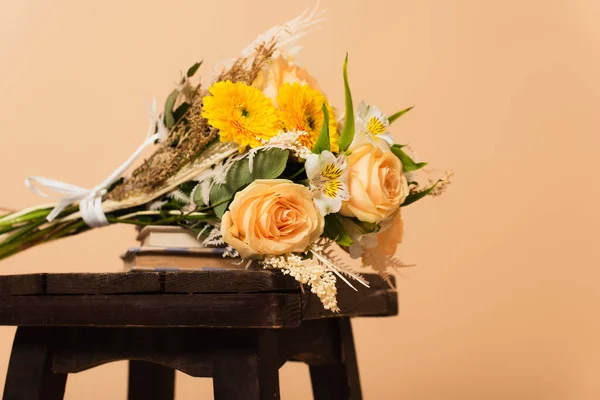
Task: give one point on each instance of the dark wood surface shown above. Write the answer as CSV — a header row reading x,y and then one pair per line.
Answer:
x,y
30,375
72,322
149,381
217,299
243,363
338,380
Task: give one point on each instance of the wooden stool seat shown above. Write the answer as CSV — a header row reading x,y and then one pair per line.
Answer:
x,y
238,327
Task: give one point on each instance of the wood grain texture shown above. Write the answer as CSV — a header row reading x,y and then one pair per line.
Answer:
x,y
257,299
18,285
108,283
228,282
263,310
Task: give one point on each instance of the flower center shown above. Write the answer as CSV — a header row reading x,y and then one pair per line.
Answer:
x,y
391,183
375,126
310,121
332,188
331,171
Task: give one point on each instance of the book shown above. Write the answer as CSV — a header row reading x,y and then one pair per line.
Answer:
x,y
168,236
154,258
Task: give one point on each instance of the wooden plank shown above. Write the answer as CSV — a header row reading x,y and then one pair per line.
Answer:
x,y
188,350
233,281
265,310
315,342
248,373
377,301
104,283
30,375
149,381
227,282
339,380
17,285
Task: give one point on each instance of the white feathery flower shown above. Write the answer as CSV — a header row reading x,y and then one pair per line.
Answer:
x,y
286,140
371,127
230,252
156,205
288,33
307,272
328,180
285,37
180,196
214,237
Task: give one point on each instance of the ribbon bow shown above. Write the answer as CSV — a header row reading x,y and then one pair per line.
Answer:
x,y
90,200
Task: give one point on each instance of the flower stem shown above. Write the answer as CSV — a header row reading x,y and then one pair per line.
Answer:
x,y
19,219
295,175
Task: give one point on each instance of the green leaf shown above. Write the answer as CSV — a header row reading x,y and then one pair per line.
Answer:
x,y
180,111
334,230
193,69
220,195
347,134
238,175
169,118
269,163
397,115
407,163
322,143
367,227
411,198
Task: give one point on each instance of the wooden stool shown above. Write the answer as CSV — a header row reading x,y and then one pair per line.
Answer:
x,y
238,327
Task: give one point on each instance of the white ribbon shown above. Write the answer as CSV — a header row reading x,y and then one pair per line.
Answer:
x,y
90,200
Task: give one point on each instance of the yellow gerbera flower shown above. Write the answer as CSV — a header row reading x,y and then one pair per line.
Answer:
x,y
300,108
241,113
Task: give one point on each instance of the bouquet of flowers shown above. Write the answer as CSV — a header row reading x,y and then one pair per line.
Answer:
x,y
259,162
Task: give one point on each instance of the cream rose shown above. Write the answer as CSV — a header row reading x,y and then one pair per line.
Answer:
x,y
271,217
280,71
376,184
391,234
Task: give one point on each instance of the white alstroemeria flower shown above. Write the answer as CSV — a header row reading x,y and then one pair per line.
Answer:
x,y
328,180
362,237
371,127
361,240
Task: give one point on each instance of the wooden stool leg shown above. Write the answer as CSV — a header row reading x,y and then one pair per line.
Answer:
x,y
248,374
149,381
338,381
30,375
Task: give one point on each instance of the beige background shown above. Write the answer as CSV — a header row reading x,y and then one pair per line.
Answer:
x,y
504,301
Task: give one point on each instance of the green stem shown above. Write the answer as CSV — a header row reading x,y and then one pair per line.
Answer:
x,y
296,174
53,232
68,229
7,229
165,221
213,205
26,217
24,231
